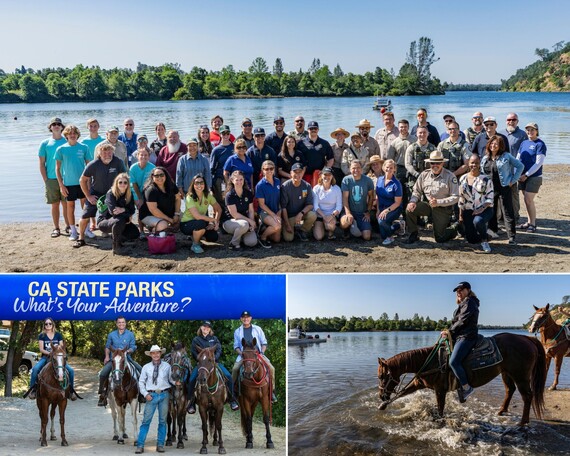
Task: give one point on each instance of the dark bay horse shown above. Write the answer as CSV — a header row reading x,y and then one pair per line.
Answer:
x,y
553,338
123,391
523,366
53,389
211,395
180,368
254,388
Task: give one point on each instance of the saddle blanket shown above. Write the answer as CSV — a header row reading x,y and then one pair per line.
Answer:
x,y
484,354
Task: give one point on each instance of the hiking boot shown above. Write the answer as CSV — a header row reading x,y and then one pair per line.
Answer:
x,y
412,238
160,449
273,398
32,393
264,243
73,396
234,405
191,408
467,392
302,236
102,400
486,247
139,450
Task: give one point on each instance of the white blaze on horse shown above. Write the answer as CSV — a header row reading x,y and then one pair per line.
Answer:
x,y
123,391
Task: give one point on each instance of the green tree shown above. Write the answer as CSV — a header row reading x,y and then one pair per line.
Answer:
x,y
542,53
57,86
278,68
337,72
117,86
258,66
91,85
168,82
33,88
422,57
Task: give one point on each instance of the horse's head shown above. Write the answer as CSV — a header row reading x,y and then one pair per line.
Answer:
x,y
540,318
119,360
387,383
58,359
250,358
206,364
179,362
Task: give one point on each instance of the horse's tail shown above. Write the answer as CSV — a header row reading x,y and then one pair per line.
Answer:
x,y
212,423
243,421
538,379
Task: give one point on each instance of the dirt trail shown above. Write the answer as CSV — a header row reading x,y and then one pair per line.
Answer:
x,y
89,429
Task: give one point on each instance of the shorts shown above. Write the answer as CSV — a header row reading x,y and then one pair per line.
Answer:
x,y
88,209
151,221
197,225
360,223
263,215
531,185
74,192
53,193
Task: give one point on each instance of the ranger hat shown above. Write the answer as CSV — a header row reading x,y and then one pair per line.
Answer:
x,y
155,348
436,157
245,313
462,285
55,120
364,123
376,159
340,130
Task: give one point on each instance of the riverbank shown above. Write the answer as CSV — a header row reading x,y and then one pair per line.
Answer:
x,y
28,247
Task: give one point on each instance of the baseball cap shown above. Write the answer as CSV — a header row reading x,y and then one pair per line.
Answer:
x,y
245,313
462,285
258,131
313,124
207,323
296,166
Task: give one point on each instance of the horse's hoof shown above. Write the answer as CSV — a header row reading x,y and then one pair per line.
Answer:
x,y
168,443
115,437
120,442
203,450
383,405
64,443
221,450
53,437
125,436
270,445
185,437
552,388
180,445
249,445
43,443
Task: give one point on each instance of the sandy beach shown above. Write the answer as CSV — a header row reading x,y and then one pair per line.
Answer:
x,y
28,247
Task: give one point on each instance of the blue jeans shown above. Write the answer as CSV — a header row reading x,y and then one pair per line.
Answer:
x,y
461,349
159,401
476,226
386,225
39,366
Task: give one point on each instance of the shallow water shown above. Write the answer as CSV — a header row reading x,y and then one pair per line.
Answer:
x,y
333,407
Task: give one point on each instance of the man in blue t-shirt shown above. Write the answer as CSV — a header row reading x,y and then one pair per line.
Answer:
x,y
357,200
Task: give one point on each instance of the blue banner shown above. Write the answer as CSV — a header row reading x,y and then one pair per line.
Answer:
x,y
141,296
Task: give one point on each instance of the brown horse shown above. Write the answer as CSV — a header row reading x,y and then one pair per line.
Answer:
x,y
180,368
553,338
523,366
123,391
53,389
254,388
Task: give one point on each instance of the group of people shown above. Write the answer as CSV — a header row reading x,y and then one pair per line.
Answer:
x,y
262,189
154,378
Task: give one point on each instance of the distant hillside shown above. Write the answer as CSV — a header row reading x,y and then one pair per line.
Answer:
x,y
549,74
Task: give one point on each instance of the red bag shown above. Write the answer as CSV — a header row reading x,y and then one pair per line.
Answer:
x,y
158,245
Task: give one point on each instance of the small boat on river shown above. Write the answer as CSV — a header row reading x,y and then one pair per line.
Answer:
x,y
298,337
382,104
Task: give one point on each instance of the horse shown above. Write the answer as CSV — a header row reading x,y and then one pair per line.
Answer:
x,y
180,371
553,338
53,389
211,395
523,366
254,388
123,391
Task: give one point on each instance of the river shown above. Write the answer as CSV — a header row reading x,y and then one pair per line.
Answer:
x,y
333,406
24,126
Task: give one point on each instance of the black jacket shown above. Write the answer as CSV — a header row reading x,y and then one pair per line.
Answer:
x,y
206,342
465,319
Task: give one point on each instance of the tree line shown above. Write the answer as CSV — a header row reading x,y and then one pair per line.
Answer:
x,y
170,82
87,339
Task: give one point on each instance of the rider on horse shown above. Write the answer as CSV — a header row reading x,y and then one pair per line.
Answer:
x,y
464,334
48,339
119,338
205,339
249,331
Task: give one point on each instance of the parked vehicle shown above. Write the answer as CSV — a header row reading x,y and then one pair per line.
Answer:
x,y
28,361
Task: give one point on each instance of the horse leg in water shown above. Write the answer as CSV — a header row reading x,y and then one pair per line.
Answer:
x,y
43,408
440,399
204,417
510,389
62,407
525,391
52,424
266,406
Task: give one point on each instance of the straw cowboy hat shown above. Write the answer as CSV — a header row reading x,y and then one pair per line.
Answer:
x,y
436,157
364,123
155,348
376,159
340,130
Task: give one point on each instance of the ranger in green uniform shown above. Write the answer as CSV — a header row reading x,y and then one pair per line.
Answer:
x,y
456,150
441,190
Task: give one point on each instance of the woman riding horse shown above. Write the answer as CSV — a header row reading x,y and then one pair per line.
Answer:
x,y
464,334
205,339
48,339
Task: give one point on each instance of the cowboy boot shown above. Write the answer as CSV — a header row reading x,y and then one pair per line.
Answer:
x,y
102,392
33,391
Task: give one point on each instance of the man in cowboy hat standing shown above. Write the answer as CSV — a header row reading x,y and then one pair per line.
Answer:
x,y
368,141
441,190
154,385
249,331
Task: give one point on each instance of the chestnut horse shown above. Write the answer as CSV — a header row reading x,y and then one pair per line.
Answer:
x,y
254,388
53,389
180,368
211,395
553,338
523,366
123,391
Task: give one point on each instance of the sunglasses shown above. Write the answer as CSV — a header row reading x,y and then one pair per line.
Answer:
x,y
512,120
199,183
123,183
247,125
241,147
300,120
279,123
129,125
268,169
48,324
158,175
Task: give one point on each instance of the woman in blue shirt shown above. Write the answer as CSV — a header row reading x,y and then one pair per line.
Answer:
x,y
239,162
389,202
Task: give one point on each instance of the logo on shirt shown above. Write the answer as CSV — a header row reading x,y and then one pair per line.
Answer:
x,y
357,193
304,194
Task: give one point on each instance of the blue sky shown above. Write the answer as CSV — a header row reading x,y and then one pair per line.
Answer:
x,y
506,299
477,41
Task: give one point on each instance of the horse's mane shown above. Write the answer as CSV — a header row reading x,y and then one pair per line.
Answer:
x,y
409,360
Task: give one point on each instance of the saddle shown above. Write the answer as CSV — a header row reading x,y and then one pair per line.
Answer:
x,y
484,354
